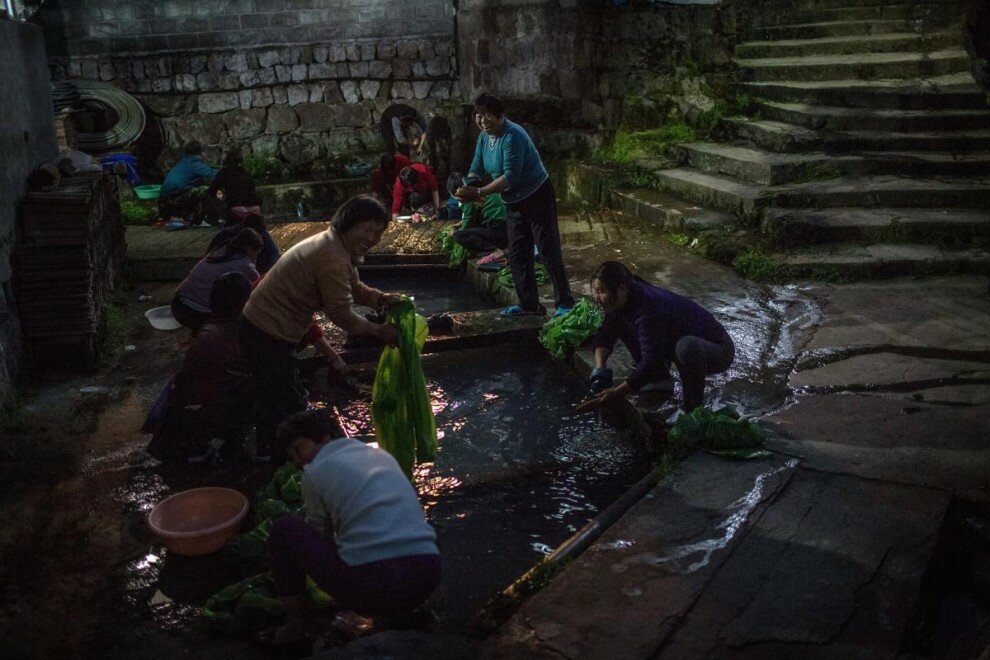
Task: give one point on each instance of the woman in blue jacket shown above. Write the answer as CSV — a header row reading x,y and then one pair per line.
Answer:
x,y
658,327
506,152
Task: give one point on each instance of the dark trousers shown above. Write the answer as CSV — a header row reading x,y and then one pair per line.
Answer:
x,y
382,587
188,316
278,388
483,239
697,358
535,219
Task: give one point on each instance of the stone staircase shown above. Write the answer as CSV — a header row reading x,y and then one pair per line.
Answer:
x,y
871,153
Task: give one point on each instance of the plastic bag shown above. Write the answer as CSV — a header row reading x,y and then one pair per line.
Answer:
x,y
563,334
400,402
719,432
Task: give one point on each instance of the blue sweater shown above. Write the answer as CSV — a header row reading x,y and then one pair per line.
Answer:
x,y
511,154
188,173
650,325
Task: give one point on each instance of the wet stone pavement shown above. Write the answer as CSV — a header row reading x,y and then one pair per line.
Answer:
x,y
875,396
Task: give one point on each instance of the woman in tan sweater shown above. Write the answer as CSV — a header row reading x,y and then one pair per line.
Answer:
x,y
317,275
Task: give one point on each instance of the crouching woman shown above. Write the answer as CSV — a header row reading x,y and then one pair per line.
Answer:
x,y
658,327
364,541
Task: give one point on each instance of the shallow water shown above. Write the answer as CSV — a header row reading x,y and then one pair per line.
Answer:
x,y
515,475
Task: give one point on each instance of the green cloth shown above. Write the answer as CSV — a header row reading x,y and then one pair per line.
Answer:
x,y
493,212
562,334
720,432
400,402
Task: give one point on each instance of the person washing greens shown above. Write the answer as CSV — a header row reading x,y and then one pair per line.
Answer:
x,y
181,193
658,327
506,152
365,540
318,274
482,229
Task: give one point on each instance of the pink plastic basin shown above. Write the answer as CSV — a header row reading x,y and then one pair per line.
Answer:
x,y
198,521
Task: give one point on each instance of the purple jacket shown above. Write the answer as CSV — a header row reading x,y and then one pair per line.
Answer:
x,y
650,325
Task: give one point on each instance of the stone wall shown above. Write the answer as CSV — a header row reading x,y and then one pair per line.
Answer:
x,y
305,104
93,27
584,57
27,138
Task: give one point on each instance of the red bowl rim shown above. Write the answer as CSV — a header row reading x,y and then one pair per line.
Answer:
x,y
203,532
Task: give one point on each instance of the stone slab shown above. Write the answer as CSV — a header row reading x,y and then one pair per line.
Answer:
x,y
949,313
623,596
889,370
404,645
880,438
832,570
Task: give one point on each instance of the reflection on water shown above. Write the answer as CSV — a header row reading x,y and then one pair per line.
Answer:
x,y
515,475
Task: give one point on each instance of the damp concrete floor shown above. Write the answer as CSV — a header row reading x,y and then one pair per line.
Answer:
x,y
875,396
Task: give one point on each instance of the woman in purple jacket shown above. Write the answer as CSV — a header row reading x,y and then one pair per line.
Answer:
x,y
658,327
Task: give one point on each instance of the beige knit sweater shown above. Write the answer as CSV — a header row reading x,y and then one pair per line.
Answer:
x,y
318,274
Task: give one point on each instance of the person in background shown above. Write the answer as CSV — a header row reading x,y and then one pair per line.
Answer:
x,y
191,303
269,253
482,229
208,401
658,327
180,194
239,192
416,188
317,274
383,178
364,540
409,132
505,151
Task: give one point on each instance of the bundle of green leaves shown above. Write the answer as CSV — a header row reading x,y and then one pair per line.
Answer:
x,y
721,432
456,253
503,278
563,334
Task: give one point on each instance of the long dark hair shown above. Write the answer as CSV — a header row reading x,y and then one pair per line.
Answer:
x,y
358,209
234,160
615,274
246,239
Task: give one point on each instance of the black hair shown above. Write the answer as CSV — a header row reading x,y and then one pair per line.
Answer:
x,y
408,176
244,240
234,159
408,114
454,181
614,274
358,209
387,163
229,294
488,102
193,148
316,425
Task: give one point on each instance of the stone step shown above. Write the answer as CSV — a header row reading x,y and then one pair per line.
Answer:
x,y
866,66
886,191
816,30
875,43
770,168
667,212
879,225
781,137
859,119
720,192
953,92
847,12
853,261
749,163
780,5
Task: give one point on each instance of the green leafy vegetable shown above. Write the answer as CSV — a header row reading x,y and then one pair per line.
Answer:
x,y
564,333
720,432
456,253
503,278
400,402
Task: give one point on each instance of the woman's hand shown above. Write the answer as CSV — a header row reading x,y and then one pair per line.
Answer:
x,y
468,194
388,334
388,299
